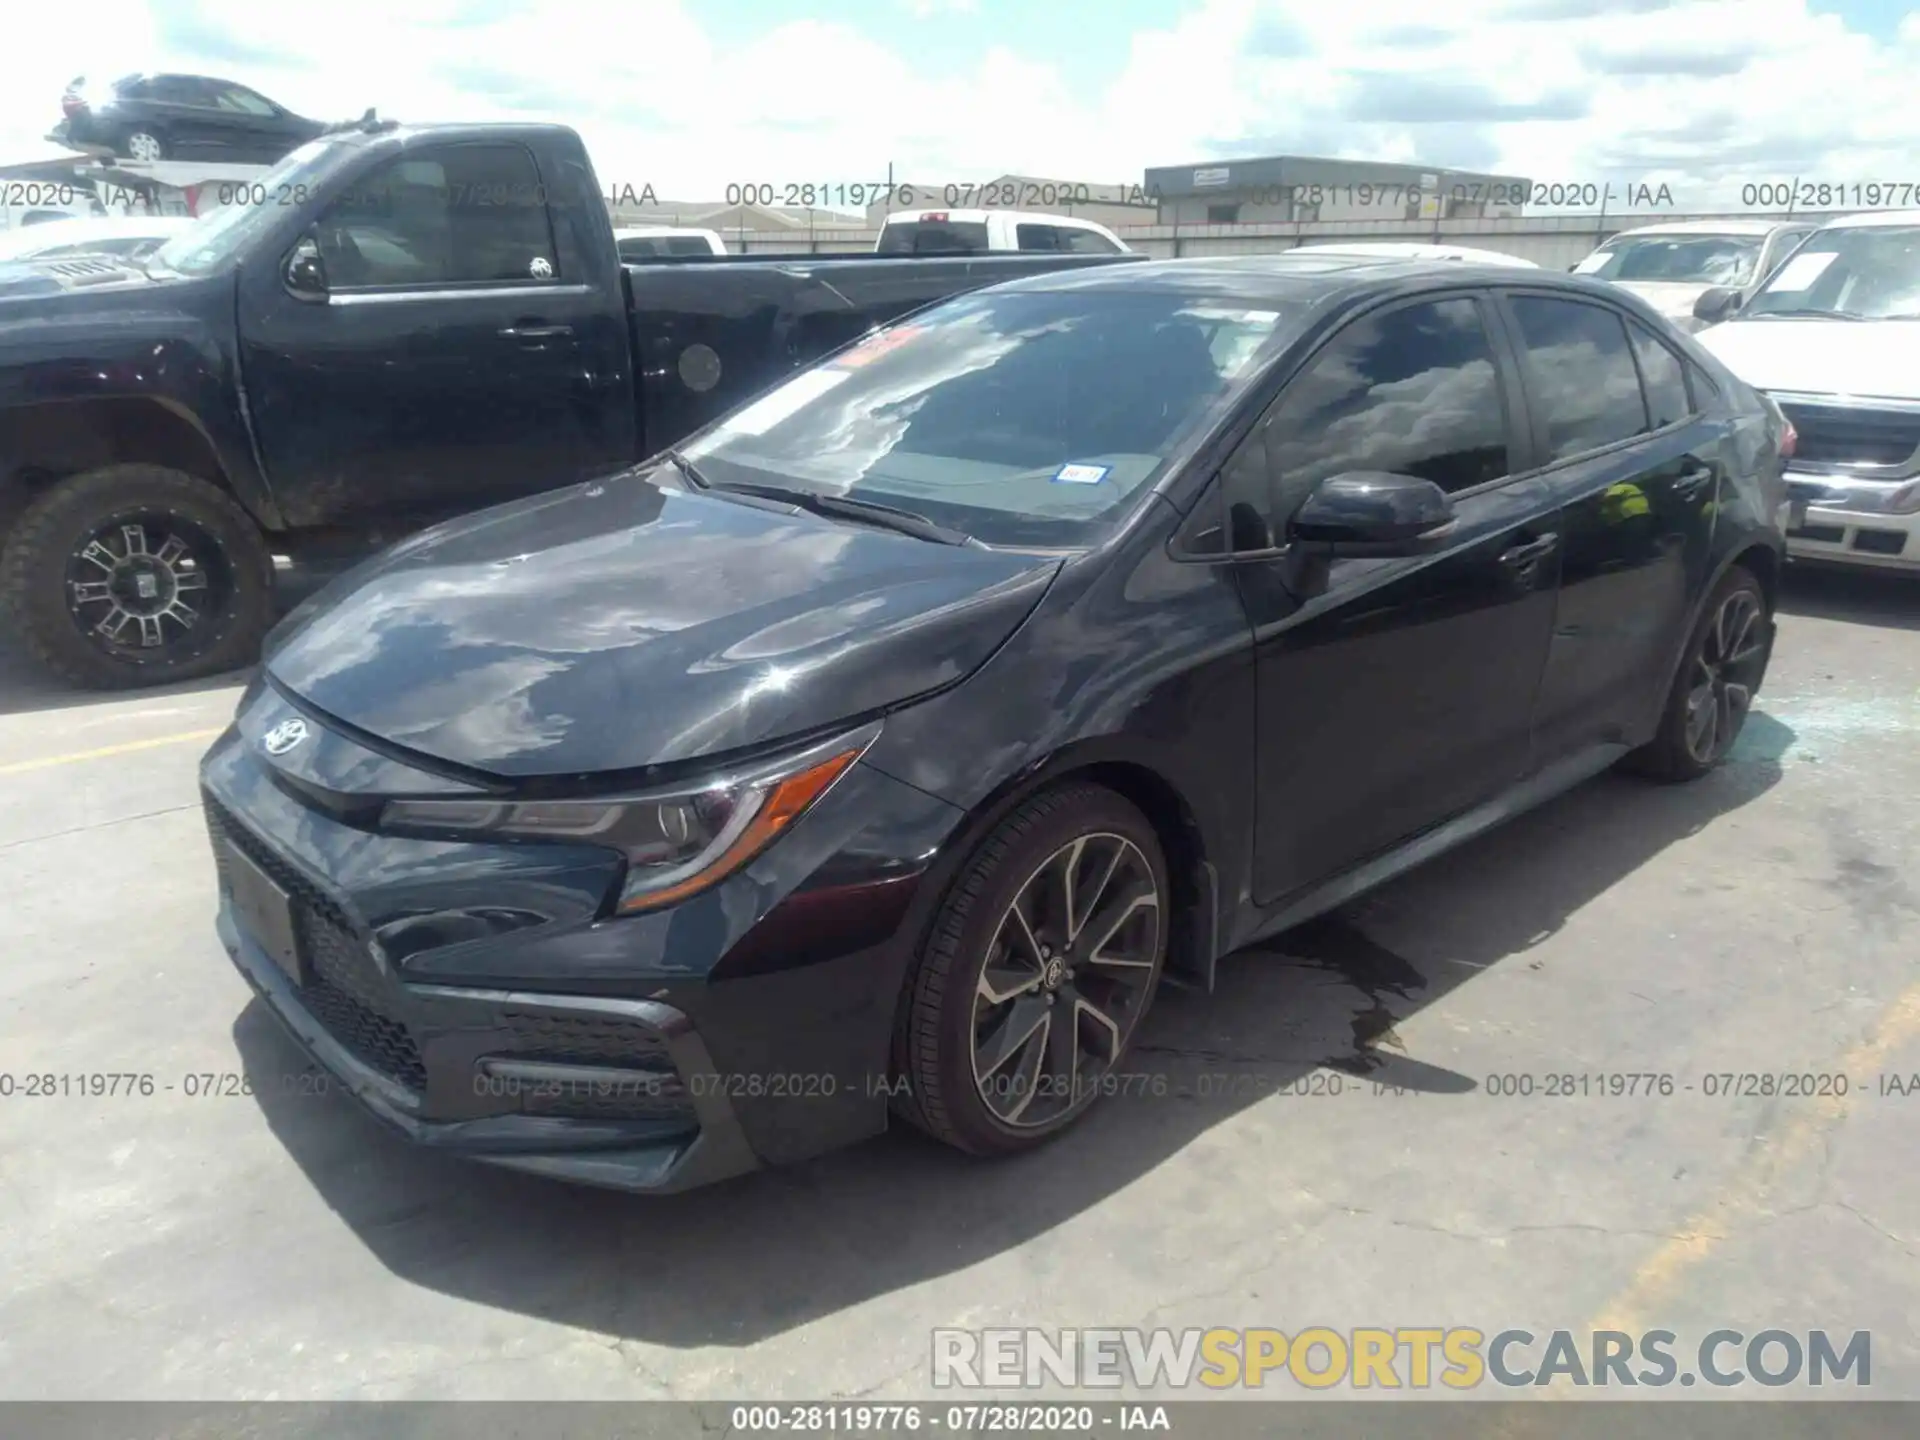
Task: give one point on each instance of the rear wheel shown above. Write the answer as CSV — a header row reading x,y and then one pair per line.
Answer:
x,y
1042,962
137,575
1725,661
148,145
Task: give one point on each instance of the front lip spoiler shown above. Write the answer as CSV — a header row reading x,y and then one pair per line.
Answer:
x,y
536,1144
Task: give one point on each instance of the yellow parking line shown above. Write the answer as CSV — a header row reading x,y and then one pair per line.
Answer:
x,y
1801,1139
20,767
1743,1197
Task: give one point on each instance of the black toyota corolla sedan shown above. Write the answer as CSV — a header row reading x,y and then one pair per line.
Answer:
x,y
879,750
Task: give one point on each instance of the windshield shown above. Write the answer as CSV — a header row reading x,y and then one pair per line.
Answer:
x,y
217,239
1680,259
1865,270
932,237
1019,417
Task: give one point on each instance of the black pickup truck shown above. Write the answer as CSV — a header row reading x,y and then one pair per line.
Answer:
x,y
394,325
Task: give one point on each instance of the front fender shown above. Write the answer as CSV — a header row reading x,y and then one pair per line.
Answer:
x,y
169,344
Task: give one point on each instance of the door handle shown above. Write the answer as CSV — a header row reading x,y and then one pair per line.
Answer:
x,y
535,331
1692,480
1521,556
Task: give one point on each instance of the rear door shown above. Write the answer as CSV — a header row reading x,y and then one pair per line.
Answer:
x,y
256,130
459,358
1636,470
1399,692
179,108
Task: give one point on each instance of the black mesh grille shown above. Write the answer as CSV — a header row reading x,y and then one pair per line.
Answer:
x,y
344,991
1843,435
584,1040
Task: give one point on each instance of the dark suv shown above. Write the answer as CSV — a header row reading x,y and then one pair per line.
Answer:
x,y
878,748
181,117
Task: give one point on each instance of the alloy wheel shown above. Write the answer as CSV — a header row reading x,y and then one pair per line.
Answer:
x,y
142,146
1068,973
146,584
1725,672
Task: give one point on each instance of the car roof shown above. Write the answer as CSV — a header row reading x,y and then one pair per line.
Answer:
x,y
653,232
1707,227
1295,275
979,217
1872,219
1414,250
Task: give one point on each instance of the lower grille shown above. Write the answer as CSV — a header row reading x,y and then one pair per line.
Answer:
x,y
584,1040
344,991
1846,435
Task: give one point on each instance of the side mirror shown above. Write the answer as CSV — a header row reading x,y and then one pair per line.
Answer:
x,y
306,272
1373,514
1715,304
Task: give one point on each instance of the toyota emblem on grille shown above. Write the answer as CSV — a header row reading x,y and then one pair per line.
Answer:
x,y
284,736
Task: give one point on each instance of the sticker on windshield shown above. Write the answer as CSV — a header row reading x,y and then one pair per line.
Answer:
x,y
1593,262
765,413
875,344
1081,474
1801,271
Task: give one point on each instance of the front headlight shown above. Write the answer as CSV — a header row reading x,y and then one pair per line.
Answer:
x,y
677,843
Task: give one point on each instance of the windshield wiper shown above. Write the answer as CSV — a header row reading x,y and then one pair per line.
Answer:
x,y
845,507
686,468
1804,312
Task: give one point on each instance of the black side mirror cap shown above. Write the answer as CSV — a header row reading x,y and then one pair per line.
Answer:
x,y
1716,303
305,274
1366,513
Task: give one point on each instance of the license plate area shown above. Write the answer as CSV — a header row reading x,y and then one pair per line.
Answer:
x,y
265,912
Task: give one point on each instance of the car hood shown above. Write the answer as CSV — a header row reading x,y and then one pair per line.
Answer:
x,y
1672,298
21,279
1875,359
631,623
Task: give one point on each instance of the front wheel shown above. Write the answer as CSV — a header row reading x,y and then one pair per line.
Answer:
x,y
1041,964
1712,693
137,575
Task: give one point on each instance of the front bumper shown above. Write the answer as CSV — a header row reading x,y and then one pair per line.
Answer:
x,y
414,1055
1848,536
748,1026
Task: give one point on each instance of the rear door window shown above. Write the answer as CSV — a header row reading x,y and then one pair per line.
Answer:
x,y
1661,377
1036,237
1086,242
932,237
1580,373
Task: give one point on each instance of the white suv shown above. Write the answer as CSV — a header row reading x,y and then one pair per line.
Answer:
x,y
1833,337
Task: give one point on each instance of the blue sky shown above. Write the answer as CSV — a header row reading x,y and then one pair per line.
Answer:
x,y
1706,96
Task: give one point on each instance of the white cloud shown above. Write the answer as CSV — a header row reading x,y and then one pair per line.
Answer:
x,y
1702,94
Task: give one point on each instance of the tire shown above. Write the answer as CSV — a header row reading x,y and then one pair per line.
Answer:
x,y
60,593
951,1027
1675,753
151,142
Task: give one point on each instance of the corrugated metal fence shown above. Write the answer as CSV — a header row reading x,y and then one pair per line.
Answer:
x,y
1555,241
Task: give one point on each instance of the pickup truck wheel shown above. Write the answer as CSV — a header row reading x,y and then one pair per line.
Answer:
x,y
136,575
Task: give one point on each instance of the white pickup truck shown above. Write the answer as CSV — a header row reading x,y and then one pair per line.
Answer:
x,y
970,232
651,242
1833,337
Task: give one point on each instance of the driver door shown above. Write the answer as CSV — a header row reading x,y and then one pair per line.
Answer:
x,y
451,361
1394,693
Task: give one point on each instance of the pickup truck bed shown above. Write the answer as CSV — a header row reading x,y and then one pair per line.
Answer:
x,y
311,376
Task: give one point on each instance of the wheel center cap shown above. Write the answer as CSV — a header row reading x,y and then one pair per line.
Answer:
x,y
148,583
1055,972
